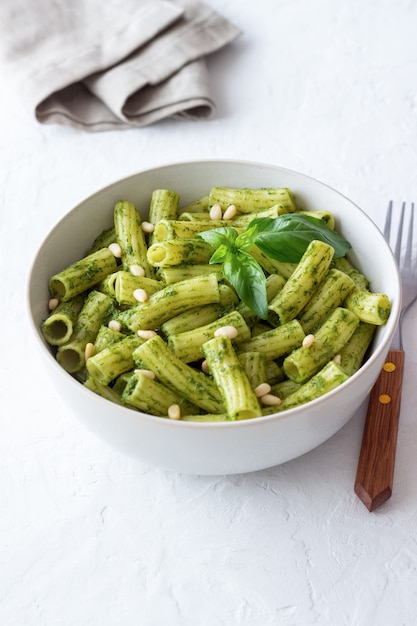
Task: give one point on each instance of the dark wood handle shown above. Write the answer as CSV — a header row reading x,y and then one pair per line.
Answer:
x,y
375,472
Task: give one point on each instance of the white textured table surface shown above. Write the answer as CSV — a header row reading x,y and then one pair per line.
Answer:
x,y
90,537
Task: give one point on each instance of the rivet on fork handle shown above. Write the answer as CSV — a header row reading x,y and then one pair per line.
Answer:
x,y
375,473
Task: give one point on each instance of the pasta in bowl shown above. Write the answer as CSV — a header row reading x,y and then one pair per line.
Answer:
x,y
214,317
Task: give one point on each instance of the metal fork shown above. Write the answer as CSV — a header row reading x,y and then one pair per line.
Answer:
x,y
374,477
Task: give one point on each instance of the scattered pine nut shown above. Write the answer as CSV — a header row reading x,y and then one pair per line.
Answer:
x,y
147,373
269,400
226,331
116,250
262,390
205,367
140,295
89,351
308,341
137,270
230,212
147,227
53,303
146,334
216,212
115,325
337,359
174,412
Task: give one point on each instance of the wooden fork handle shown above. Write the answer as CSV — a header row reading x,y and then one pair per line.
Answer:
x,y
375,472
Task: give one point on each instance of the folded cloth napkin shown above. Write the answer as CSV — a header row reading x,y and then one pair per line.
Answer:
x,y
115,64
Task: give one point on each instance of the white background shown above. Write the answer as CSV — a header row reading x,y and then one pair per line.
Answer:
x,y
89,537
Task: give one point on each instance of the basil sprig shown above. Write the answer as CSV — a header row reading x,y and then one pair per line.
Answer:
x,y
284,239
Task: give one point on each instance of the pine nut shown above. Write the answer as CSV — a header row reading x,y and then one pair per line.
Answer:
x,y
216,212
205,367
89,351
116,250
230,212
140,295
262,390
53,303
115,325
146,373
308,341
146,334
147,227
226,331
137,270
269,400
337,359
174,412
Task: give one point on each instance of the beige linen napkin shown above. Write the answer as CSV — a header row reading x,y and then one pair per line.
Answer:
x,y
102,65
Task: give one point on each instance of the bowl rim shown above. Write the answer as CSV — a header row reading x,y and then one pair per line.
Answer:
x,y
286,415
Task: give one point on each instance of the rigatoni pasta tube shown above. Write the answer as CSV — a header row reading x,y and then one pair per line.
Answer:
x,y
207,417
200,315
303,282
187,345
104,239
82,275
353,352
330,338
152,397
94,313
239,397
243,220
125,285
277,341
254,365
272,266
342,264
130,237
114,360
194,318
370,307
163,205
170,301
198,388
106,337
328,378
330,294
274,373
59,325
182,229
325,216
176,273
285,388
240,220
194,216
103,390
178,251
198,206
248,200
107,285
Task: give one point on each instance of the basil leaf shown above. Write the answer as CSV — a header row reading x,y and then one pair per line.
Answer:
x,y
220,255
247,277
246,240
219,236
286,238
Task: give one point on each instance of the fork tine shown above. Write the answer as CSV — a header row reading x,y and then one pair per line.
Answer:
x,y
387,225
397,248
409,243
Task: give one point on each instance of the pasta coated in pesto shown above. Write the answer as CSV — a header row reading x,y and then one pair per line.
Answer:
x,y
161,328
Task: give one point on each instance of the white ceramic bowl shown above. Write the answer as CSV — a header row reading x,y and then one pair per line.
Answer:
x,y
214,448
